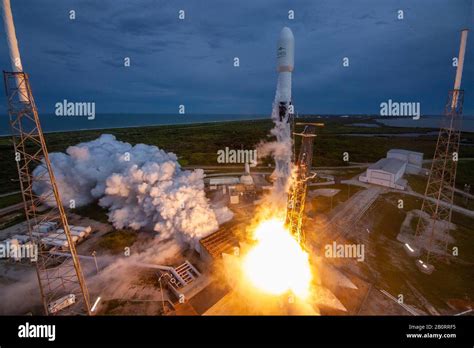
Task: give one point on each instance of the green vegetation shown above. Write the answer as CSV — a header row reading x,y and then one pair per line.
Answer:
x,y
384,210
462,220
6,201
417,183
412,203
197,144
448,281
465,172
409,202
347,174
463,202
12,220
464,238
117,241
321,204
92,211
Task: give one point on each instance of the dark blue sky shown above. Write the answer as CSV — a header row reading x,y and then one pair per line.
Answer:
x,y
190,62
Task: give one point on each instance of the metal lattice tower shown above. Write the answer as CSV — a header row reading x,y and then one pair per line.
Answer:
x,y
439,193
57,276
298,188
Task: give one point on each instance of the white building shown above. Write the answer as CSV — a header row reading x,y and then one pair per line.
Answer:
x,y
414,159
389,171
227,181
246,179
386,172
220,182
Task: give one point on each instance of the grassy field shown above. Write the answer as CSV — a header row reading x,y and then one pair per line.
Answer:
x,y
394,270
6,201
198,144
417,183
116,241
92,211
411,203
12,220
322,204
465,173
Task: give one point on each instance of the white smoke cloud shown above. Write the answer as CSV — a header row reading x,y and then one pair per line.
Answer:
x,y
142,186
281,150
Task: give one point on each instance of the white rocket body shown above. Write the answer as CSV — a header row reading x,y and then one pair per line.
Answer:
x,y
457,81
462,52
11,36
13,46
285,64
282,112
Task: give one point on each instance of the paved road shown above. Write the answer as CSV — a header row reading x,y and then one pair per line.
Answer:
x,y
9,194
456,208
348,213
352,165
11,208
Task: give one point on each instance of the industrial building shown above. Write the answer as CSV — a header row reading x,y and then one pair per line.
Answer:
x,y
239,190
217,243
414,159
389,171
222,182
386,172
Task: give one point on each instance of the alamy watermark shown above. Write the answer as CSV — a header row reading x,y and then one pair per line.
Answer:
x,y
237,156
393,108
67,108
37,331
18,251
352,251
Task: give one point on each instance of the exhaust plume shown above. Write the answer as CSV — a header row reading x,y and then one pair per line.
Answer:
x,y
142,186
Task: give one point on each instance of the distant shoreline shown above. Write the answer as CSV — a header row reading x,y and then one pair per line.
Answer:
x,y
145,125
250,118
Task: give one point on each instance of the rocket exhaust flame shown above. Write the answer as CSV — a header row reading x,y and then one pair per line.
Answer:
x,y
277,264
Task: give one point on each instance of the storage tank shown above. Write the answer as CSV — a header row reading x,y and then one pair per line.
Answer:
x,y
55,242
59,234
87,230
21,238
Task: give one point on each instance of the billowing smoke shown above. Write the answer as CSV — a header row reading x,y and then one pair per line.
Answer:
x,y
142,186
118,277
281,150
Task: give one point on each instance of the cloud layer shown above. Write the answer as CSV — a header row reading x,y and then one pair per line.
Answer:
x,y
190,61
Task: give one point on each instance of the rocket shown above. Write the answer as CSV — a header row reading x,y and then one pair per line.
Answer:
x,y
13,47
11,36
282,110
285,66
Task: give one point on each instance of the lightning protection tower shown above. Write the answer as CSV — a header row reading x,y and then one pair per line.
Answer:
x,y
61,281
439,193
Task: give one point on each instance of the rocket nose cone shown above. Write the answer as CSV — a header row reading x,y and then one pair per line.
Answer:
x,y
286,51
286,34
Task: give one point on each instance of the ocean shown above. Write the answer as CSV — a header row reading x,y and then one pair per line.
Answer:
x,y
467,124
52,123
